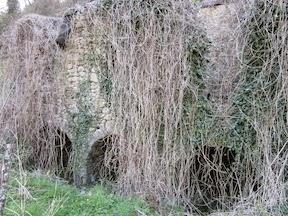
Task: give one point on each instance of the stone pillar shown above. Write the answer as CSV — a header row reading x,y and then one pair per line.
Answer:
x,y
86,107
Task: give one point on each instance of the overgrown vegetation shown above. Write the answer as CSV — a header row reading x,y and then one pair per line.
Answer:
x,y
156,75
30,87
51,7
259,100
257,124
174,146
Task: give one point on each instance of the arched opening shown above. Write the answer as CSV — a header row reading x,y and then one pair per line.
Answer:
x,y
210,177
52,151
96,167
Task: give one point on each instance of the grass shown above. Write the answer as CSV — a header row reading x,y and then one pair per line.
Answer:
x,y
43,196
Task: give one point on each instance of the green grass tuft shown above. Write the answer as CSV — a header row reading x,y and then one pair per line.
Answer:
x,y
52,197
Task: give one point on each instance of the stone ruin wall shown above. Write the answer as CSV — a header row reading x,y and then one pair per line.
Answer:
x,y
80,57
219,22
84,48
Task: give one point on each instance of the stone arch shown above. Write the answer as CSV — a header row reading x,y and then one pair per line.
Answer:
x,y
96,167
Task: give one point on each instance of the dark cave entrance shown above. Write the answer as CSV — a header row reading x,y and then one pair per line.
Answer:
x,y
210,178
52,151
217,176
63,149
96,168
